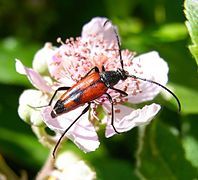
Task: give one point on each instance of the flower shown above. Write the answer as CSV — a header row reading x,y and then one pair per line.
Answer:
x,y
68,63
69,166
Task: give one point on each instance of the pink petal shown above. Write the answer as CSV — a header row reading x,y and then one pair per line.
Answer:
x,y
82,133
96,28
129,118
35,78
54,63
58,66
153,67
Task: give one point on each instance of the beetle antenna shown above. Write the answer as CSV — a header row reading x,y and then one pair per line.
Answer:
x,y
164,87
118,43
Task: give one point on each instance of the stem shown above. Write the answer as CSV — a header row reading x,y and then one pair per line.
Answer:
x,y
7,171
46,169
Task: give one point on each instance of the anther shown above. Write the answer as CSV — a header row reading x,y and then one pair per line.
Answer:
x,y
59,40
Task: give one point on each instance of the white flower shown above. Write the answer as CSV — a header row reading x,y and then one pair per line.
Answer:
x,y
69,166
68,63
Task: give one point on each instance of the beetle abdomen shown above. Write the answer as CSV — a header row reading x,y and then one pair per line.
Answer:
x,y
86,90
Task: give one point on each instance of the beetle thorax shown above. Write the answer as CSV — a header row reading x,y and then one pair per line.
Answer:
x,y
111,78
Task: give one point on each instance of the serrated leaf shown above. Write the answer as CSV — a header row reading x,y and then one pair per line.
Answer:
x,y
162,155
191,11
194,51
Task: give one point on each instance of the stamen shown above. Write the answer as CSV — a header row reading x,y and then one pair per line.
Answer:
x,y
59,40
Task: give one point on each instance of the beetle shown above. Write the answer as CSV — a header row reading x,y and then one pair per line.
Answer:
x,y
92,86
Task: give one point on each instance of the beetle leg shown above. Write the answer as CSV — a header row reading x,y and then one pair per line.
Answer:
x,y
94,68
112,112
50,102
66,130
59,89
120,91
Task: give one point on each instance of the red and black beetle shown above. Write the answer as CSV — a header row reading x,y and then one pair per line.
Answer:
x,y
92,86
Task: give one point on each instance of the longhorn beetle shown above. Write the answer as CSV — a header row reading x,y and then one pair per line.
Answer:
x,y
92,86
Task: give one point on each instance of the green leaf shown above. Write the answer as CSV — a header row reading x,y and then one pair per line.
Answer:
x,y
191,145
161,155
190,138
170,32
191,11
114,169
122,9
188,97
25,148
12,48
194,51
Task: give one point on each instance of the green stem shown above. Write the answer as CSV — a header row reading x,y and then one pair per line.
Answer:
x,y
7,171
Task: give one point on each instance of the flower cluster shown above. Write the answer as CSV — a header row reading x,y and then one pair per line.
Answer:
x,y
65,65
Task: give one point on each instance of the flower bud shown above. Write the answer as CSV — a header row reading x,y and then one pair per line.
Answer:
x,y
40,59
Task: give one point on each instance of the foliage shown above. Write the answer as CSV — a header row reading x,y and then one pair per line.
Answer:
x,y
166,148
191,11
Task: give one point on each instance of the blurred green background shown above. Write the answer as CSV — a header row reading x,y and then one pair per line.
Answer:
x,y
167,148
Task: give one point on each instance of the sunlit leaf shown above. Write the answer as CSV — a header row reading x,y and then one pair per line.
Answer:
x,y
171,32
191,11
162,157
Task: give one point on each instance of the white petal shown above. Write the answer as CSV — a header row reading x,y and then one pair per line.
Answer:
x,y
82,133
35,78
154,68
129,118
96,28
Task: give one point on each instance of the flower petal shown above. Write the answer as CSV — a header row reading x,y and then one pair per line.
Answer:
x,y
35,78
96,29
128,118
152,67
82,133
